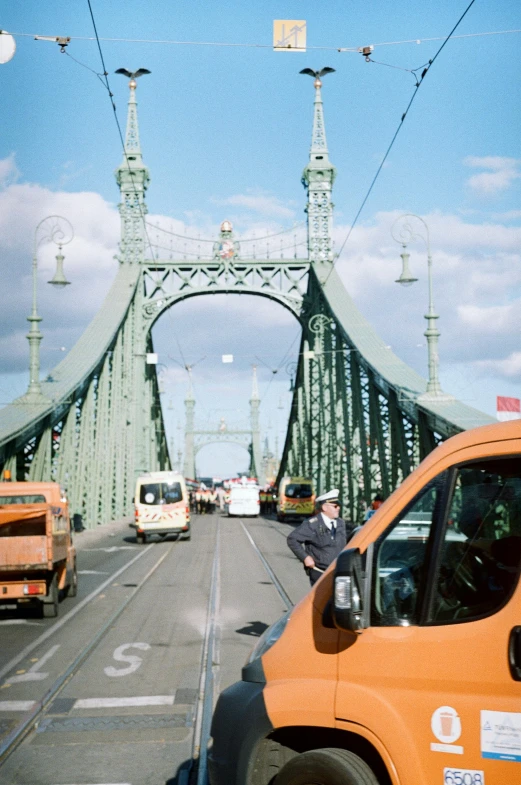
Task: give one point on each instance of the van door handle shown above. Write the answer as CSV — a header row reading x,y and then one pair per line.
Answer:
x,y
514,653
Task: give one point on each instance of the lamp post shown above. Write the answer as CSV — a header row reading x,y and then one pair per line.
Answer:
x,y
56,229
404,232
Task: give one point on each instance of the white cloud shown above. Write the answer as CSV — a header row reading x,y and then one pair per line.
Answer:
x,y
8,171
263,204
509,367
476,286
501,173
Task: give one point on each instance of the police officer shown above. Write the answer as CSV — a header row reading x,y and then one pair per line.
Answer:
x,y
318,541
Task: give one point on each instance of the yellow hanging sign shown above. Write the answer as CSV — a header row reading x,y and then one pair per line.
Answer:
x,y
289,35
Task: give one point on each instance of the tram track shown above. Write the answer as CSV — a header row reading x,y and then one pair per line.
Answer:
x,y
196,771
276,582
31,720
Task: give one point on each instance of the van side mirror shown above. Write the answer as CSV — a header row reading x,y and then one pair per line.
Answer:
x,y
348,590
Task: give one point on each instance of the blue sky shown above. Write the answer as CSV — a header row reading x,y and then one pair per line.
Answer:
x,y
225,132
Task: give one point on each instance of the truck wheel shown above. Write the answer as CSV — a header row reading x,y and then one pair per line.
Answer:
x,y
326,767
72,589
280,517
50,604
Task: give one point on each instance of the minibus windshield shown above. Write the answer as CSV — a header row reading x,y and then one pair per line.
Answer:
x,y
298,491
160,493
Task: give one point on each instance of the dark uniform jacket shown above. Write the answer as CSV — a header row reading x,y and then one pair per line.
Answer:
x,y
313,538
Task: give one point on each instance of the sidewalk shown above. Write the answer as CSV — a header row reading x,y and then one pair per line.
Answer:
x,y
112,529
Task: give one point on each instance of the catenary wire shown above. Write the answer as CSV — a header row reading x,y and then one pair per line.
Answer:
x,y
400,126
340,49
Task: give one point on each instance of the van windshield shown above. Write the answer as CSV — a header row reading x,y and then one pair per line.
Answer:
x,y
298,491
160,493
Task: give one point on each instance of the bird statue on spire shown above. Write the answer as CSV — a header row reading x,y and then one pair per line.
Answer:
x,y
133,74
317,74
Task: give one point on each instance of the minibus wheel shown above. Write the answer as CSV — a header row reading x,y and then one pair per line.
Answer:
x,y
326,767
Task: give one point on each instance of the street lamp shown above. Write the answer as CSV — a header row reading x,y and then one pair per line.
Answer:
x,y
403,231
58,230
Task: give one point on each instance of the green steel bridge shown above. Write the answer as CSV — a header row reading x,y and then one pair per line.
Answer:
x,y
360,420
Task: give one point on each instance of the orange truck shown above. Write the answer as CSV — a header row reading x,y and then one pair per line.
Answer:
x,y
402,665
37,556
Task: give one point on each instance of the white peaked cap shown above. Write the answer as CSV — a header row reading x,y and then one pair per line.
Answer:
x,y
330,496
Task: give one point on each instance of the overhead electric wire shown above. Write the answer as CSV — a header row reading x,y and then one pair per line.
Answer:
x,y
273,373
340,49
400,125
105,75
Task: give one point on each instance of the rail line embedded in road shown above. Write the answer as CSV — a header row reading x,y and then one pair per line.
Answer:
x,y
30,721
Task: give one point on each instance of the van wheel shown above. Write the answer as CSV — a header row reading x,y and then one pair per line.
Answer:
x,y
280,518
72,589
326,767
141,539
50,604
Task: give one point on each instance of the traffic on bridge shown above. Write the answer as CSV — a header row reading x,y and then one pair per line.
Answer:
x,y
207,578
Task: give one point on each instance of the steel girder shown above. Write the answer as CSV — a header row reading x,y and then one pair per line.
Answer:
x,y
360,420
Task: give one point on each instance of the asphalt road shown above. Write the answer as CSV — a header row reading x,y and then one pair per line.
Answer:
x,y
120,672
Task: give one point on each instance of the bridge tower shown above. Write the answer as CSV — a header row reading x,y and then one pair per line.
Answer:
x,y
250,439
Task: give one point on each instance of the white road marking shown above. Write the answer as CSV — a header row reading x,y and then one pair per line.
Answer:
x,y
16,705
132,659
91,572
68,616
114,548
116,703
34,674
10,622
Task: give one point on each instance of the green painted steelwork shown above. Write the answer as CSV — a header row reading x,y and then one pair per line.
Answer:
x,y
361,419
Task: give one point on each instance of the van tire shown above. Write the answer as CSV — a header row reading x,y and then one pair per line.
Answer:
x,y
326,767
141,539
50,604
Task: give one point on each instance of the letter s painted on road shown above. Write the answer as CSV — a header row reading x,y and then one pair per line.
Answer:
x,y
132,659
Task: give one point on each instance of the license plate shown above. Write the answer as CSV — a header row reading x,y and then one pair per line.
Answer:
x,y
463,777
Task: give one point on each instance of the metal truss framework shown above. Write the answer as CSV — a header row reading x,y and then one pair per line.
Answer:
x,y
360,418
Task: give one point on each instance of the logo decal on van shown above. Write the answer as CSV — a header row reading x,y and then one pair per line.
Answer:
x,y
446,726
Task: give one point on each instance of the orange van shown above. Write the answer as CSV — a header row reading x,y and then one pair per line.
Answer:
x,y
402,666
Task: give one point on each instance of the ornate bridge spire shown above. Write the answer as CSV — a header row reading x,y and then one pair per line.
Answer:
x,y
318,178
133,178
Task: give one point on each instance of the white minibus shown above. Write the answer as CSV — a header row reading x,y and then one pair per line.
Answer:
x,y
161,506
